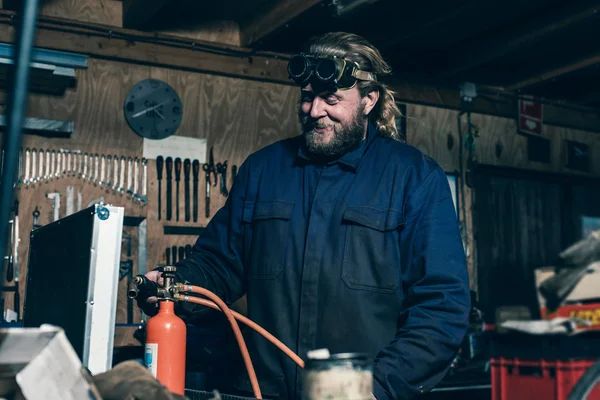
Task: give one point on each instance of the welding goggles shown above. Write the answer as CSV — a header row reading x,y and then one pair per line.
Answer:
x,y
326,71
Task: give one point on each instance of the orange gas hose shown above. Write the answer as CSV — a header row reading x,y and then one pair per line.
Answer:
x,y
234,326
288,352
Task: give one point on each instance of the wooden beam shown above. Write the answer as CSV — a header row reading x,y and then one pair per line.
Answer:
x,y
125,45
137,13
554,72
281,14
513,39
152,49
503,105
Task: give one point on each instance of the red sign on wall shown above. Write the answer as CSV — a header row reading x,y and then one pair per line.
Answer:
x,y
530,115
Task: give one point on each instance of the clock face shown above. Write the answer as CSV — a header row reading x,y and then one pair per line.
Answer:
x,y
153,109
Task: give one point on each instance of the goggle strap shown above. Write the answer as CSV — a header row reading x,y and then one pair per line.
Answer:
x,y
363,75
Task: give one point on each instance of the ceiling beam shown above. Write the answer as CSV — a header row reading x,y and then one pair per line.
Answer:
x,y
282,13
118,44
527,34
442,17
555,72
137,13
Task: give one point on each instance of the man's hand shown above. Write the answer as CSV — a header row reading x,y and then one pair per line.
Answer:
x,y
150,305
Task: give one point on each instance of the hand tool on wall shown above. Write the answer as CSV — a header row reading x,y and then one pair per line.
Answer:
x,y
181,254
96,168
92,171
186,185
115,185
84,172
27,166
168,254
174,254
122,175
17,240
195,173
55,197
33,178
64,162
109,167
136,178
130,176
233,173
159,170
144,197
70,200
79,164
42,155
188,250
209,168
20,173
103,170
69,165
36,218
79,200
57,165
47,176
169,167
13,262
222,170
177,179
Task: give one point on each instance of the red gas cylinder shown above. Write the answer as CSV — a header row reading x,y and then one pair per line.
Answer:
x,y
165,347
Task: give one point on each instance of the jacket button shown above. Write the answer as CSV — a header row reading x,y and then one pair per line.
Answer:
x,y
420,389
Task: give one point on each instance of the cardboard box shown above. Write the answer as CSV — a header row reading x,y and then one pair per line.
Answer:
x,y
41,364
582,303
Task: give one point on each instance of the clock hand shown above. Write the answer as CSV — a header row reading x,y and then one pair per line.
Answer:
x,y
159,114
137,114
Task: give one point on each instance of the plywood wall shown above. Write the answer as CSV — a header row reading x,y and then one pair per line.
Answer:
x,y
110,12
236,117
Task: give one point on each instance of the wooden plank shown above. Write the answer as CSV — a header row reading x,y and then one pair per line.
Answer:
x,y
512,39
107,12
281,14
159,50
137,13
555,72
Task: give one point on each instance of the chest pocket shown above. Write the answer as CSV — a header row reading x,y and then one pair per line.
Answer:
x,y
372,250
269,236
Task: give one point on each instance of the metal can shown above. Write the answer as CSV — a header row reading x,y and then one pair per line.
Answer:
x,y
347,376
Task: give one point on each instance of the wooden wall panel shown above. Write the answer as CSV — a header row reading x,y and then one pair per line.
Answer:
x,y
107,12
236,117
227,32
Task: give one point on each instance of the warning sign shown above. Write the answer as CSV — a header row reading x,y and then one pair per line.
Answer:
x,y
530,115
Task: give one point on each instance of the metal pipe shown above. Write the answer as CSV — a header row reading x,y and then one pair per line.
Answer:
x,y
16,108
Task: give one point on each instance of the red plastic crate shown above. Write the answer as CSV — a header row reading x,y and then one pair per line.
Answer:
x,y
515,379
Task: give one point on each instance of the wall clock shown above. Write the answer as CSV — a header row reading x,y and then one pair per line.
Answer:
x,y
153,109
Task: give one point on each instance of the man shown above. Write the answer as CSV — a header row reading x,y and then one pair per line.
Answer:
x,y
342,238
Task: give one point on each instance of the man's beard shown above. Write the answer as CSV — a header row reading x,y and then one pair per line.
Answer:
x,y
346,137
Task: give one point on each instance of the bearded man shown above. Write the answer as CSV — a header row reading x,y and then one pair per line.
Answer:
x,y
342,238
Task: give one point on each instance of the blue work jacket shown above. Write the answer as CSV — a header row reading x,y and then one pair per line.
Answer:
x,y
358,255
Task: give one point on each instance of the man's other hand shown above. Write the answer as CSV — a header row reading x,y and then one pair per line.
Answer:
x,y
150,305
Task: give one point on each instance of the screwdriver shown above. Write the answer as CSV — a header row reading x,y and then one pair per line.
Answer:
x,y
169,164
159,171
177,179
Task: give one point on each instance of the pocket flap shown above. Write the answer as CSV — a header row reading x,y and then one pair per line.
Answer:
x,y
381,219
277,209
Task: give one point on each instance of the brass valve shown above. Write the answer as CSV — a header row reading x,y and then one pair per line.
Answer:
x,y
143,287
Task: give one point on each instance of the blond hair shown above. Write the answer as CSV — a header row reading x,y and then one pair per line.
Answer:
x,y
355,48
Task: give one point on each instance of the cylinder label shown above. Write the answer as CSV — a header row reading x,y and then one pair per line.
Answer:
x,y
151,358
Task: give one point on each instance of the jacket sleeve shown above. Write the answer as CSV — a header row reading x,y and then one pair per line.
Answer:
x,y
216,260
434,316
